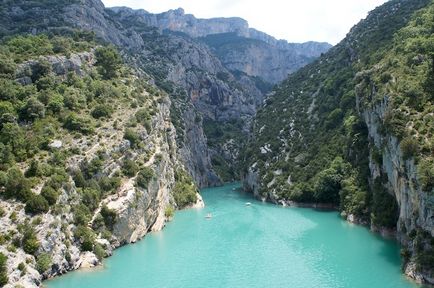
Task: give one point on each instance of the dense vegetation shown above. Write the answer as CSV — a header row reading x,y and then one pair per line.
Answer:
x,y
311,141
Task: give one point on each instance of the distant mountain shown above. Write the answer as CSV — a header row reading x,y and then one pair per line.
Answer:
x,y
237,46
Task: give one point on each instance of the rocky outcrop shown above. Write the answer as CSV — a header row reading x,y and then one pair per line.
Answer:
x,y
416,207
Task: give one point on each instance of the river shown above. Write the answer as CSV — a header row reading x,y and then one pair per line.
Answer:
x,y
261,245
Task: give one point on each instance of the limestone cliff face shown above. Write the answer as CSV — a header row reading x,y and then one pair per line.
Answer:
x,y
138,210
416,207
238,46
257,58
143,47
177,20
202,88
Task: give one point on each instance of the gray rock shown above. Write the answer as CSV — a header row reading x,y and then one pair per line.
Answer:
x,y
55,144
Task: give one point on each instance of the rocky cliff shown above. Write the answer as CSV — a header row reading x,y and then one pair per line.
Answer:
x,y
89,184
237,46
354,130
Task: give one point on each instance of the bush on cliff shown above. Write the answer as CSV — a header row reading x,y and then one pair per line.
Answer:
x,y
3,270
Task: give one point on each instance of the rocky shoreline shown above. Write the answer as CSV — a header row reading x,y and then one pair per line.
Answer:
x,y
88,260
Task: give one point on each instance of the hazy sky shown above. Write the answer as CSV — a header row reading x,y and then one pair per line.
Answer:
x,y
293,20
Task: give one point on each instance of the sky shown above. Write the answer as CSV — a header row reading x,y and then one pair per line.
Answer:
x,y
292,20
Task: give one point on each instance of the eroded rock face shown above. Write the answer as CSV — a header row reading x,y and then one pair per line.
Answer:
x,y
416,207
245,49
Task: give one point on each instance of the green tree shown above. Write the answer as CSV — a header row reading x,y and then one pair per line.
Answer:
x,y
13,135
33,169
91,198
184,194
101,110
86,237
36,204
7,158
82,124
40,69
17,186
82,214
50,194
108,61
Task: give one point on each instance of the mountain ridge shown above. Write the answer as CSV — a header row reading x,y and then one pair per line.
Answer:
x,y
280,57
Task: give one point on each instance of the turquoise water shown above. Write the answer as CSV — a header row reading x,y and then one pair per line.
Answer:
x,y
258,246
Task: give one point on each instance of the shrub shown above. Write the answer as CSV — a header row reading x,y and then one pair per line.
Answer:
x,y
91,198
328,182
184,194
82,214
36,204
327,186
143,117
301,192
21,266
425,175
144,176
133,137
78,178
7,68
129,168
73,99
99,251
409,147
86,237
40,69
17,186
56,181
93,167
32,110
33,169
169,211
108,61
109,185
109,217
3,270
29,241
352,199
101,111
12,135
74,122
43,262
50,194
7,158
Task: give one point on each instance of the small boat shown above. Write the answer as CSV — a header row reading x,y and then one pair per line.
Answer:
x,y
208,216
248,204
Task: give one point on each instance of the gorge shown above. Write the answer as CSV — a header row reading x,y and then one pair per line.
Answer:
x,y
113,118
